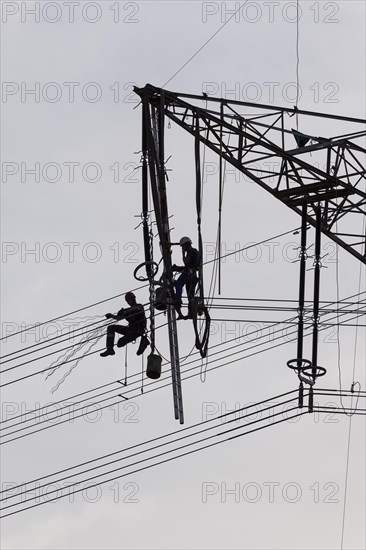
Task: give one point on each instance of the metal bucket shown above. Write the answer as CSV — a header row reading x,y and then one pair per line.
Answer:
x,y
153,369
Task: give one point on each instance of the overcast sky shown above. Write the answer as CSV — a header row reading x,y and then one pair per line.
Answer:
x,y
71,200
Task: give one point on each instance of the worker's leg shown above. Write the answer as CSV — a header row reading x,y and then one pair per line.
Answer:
x,y
129,336
191,289
179,284
111,331
144,342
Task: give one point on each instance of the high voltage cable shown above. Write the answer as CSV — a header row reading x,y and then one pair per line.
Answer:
x,y
50,368
150,449
124,392
45,347
153,383
145,451
56,343
161,462
68,361
310,302
161,454
55,366
140,287
223,343
45,341
71,312
104,320
131,376
219,306
344,324
277,309
360,412
229,413
160,386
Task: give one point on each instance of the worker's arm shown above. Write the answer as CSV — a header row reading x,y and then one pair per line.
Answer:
x,y
186,259
120,315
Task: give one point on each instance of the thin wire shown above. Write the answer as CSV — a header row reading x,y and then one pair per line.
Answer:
x,y
204,45
50,368
38,372
55,344
218,345
254,245
350,418
162,462
297,62
71,313
161,454
161,386
158,438
47,340
144,286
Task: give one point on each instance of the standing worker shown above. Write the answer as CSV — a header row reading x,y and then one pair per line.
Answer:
x,y
188,277
135,316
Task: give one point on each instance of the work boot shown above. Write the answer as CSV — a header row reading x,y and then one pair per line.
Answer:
x,y
108,352
144,342
178,309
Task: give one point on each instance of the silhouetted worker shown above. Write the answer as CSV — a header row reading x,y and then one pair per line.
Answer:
x,y
188,277
135,316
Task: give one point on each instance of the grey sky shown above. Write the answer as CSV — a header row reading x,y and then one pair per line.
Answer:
x,y
85,250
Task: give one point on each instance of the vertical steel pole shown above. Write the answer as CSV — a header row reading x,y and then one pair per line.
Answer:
x,y
220,198
145,216
172,321
314,359
300,331
158,189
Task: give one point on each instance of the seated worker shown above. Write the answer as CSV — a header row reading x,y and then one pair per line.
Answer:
x,y
135,316
188,277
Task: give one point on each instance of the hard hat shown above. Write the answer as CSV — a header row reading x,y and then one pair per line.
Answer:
x,y
130,294
185,240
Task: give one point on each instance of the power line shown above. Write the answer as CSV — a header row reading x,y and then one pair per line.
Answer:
x,y
55,366
226,307
140,287
153,440
50,368
162,386
70,313
59,342
204,45
159,455
253,332
158,463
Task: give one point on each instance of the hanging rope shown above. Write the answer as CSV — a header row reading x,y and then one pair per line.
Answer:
x,y
152,293
142,373
126,365
199,307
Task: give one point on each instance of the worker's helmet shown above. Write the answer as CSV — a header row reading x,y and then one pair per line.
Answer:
x,y
129,295
185,240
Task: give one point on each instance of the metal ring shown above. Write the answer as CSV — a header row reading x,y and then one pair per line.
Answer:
x,y
293,364
155,270
321,371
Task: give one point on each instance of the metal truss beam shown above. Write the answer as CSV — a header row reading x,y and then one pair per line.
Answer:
x,y
323,172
